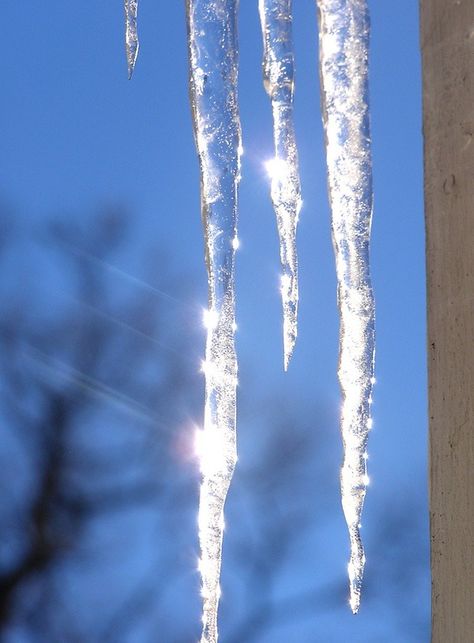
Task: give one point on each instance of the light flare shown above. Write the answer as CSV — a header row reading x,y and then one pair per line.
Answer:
x,y
210,318
277,169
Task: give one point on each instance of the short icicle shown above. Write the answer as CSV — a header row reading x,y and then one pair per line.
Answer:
x,y
131,34
213,62
343,48
278,73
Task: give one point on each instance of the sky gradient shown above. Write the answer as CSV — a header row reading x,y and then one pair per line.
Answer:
x,y
77,135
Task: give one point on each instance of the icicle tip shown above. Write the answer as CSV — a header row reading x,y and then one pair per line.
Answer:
x,y
132,56
354,603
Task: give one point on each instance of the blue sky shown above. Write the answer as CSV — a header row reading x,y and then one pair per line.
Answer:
x,y
76,135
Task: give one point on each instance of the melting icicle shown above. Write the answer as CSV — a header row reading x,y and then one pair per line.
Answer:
x,y
278,74
131,34
212,34
343,47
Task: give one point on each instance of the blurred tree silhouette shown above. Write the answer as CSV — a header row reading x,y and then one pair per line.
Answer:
x,y
100,391
89,405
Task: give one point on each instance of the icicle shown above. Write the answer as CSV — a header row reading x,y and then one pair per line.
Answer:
x,y
212,33
278,74
131,35
343,47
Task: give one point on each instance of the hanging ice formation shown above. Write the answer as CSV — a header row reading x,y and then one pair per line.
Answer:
x,y
213,56
343,47
278,75
213,62
131,34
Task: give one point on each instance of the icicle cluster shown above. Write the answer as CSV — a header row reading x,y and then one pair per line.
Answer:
x,y
212,35
278,73
131,34
213,53
343,47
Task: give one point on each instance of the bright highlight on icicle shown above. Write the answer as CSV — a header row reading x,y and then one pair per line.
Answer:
x,y
212,34
278,74
343,48
131,34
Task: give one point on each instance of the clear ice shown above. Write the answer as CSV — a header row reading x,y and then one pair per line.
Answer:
x,y
278,75
343,49
213,60
131,34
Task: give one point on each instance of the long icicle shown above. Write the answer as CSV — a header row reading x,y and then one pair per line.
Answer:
x,y
131,34
343,49
213,57
278,74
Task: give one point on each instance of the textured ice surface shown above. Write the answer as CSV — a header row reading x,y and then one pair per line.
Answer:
x,y
131,34
343,47
213,56
278,75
